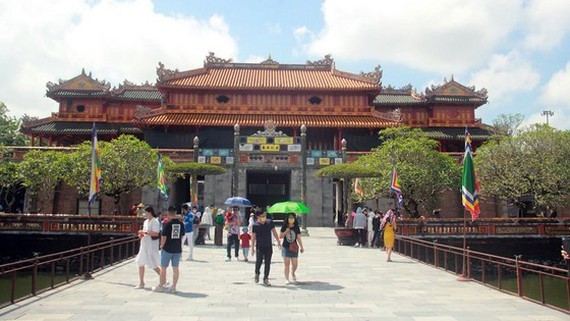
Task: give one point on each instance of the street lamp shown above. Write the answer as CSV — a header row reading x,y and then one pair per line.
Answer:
x,y
547,113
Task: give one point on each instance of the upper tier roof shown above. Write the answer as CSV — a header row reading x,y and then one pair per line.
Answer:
x,y
268,75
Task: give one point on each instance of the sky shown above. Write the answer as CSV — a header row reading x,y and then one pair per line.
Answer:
x,y
519,50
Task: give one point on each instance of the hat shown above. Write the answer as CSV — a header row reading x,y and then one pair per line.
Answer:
x,y
141,205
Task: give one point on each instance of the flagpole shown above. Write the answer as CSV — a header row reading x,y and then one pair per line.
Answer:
x,y
463,277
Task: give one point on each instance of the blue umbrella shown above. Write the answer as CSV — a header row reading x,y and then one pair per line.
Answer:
x,y
238,201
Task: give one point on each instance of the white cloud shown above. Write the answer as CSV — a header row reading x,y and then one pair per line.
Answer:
x,y
547,23
555,97
560,119
506,74
445,36
46,40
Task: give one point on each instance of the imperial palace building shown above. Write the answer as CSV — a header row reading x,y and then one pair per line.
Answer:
x,y
271,125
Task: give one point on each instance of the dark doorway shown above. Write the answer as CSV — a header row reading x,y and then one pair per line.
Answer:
x,y
268,187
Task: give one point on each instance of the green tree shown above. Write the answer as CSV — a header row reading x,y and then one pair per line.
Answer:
x,y
535,163
11,183
9,129
423,172
507,124
42,172
127,163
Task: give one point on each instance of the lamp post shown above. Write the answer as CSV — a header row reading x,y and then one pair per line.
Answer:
x,y
344,182
547,113
304,176
193,181
236,158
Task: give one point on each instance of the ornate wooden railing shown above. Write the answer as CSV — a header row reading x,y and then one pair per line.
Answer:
x,y
70,223
484,227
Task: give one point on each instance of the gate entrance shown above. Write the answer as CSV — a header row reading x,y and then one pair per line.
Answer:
x,y
268,187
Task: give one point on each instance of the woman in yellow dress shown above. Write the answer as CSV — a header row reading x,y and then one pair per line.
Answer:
x,y
389,226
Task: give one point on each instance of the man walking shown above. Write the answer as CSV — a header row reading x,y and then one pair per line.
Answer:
x,y
189,230
233,222
262,230
171,251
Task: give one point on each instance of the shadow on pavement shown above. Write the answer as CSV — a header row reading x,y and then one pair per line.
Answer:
x,y
316,286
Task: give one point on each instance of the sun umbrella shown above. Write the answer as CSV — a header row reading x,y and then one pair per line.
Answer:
x,y
288,207
238,201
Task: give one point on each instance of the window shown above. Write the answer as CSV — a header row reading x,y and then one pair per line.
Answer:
x,y
82,207
222,99
80,108
315,100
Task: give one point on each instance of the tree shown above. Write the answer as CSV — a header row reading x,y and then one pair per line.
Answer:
x,y
42,172
535,163
127,163
424,173
507,124
9,129
11,183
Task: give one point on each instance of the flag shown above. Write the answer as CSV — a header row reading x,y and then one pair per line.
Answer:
x,y
469,185
95,186
161,177
395,186
357,189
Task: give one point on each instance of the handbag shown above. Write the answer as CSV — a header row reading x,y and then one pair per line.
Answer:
x,y
294,247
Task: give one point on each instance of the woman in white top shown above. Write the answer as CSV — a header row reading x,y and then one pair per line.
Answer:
x,y
149,254
207,221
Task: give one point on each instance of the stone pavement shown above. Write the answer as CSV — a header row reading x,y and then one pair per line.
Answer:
x,y
335,283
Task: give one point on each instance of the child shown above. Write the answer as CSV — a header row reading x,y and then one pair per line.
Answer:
x,y
245,238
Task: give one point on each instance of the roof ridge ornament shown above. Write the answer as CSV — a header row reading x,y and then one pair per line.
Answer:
x,y
165,74
269,61
375,75
211,59
327,61
269,130
101,85
481,93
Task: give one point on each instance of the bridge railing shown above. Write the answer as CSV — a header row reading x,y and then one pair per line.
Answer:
x,y
546,285
22,279
484,227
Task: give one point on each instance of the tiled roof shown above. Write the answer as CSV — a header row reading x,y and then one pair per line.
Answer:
x,y
456,133
250,120
270,78
456,99
76,93
83,128
396,100
139,95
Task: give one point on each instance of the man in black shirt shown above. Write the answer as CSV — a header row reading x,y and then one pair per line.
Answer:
x,y
261,243
171,250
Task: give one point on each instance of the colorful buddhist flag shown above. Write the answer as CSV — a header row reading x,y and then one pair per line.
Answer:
x,y
395,186
357,188
469,185
95,186
161,177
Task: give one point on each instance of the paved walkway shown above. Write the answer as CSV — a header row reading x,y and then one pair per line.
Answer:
x,y
336,283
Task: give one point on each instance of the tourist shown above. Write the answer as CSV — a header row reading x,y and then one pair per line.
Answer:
x,y
251,221
148,252
389,227
171,251
188,230
369,227
196,222
292,244
263,230
359,224
207,221
376,220
245,238
219,227
233,223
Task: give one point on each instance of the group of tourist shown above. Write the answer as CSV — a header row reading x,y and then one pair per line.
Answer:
x,y
372,228
161,242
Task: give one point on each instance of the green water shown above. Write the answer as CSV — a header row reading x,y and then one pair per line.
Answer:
x,y
24,284
555,291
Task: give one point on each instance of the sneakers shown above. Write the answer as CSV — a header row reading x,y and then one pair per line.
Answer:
x,y
140,286
356,245
257,278
158,288
172,290
266,282
229,259
294,277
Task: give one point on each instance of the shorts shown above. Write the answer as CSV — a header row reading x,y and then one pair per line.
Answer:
x,y
166,257
286,253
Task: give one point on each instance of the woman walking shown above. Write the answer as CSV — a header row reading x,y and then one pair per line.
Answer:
x,y
292,244
207,221
389,226
149,254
